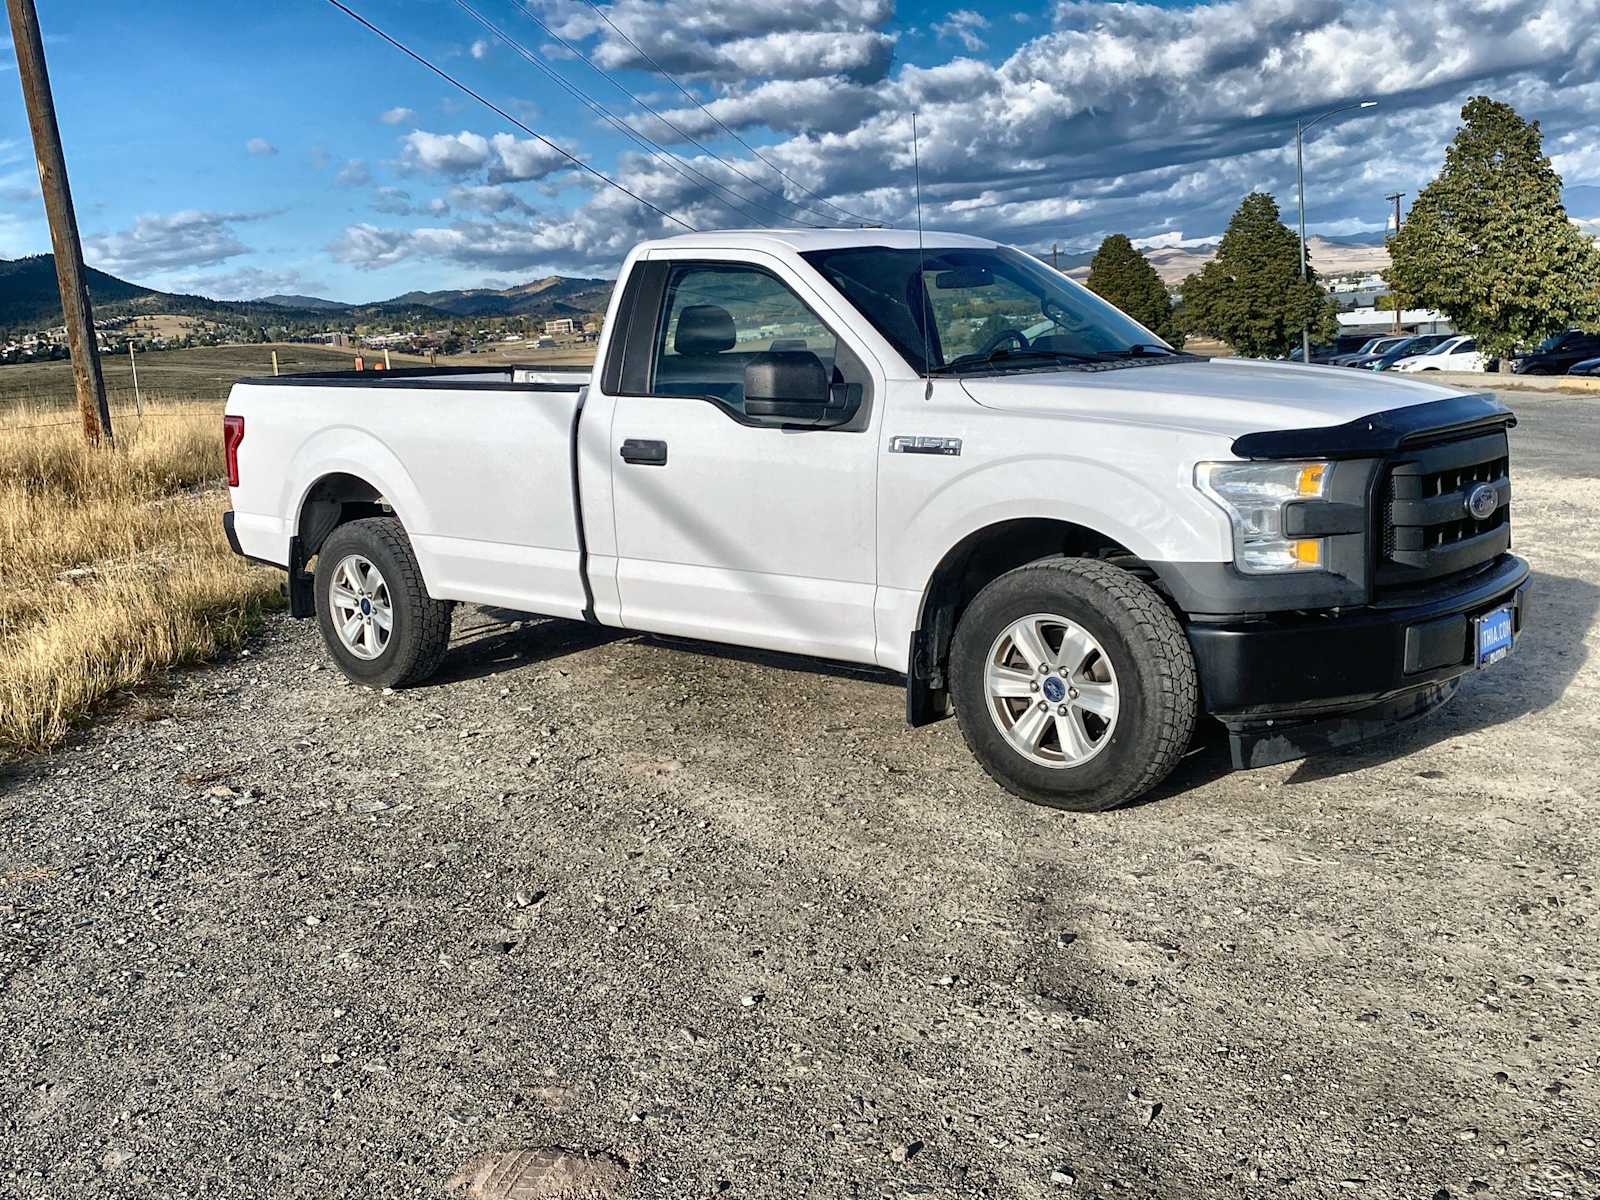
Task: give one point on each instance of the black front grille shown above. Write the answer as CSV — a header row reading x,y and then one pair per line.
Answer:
x,y
1429,530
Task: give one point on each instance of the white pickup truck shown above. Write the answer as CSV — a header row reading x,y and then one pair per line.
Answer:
x,y
948,461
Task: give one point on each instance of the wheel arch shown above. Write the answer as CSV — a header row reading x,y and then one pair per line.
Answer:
x,y
334,498
970,565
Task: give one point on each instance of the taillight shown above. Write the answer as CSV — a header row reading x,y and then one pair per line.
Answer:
x,y
232,435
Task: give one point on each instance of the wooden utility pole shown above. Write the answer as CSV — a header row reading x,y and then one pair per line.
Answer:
x,y
81,340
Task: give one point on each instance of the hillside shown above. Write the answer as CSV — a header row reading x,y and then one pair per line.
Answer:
x,y
29,293
309,303
29,298
555,295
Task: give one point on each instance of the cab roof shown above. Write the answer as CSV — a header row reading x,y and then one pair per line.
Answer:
x,y
800,241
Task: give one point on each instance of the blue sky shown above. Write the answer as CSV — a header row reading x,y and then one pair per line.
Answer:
x,y
281,147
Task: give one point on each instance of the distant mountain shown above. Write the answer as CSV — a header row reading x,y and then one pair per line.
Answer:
x,y
305,303
29,298
29,293
1330,256
553,296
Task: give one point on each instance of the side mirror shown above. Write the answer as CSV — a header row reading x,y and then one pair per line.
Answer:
x,y
792,387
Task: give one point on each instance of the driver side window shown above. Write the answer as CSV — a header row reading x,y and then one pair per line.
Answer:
x,y
716,318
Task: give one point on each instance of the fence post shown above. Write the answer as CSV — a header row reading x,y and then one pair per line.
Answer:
x,y
138,402
274,362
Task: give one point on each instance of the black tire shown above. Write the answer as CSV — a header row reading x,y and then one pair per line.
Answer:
x,y
421,630
1155,676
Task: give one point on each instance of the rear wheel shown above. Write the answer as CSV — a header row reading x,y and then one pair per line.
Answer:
x,y
376,617
1074,684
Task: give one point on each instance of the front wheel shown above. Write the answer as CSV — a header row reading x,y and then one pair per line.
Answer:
x,y
1073,683
377,619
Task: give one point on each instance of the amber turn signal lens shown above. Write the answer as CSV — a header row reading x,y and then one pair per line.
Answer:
x,y
1308,552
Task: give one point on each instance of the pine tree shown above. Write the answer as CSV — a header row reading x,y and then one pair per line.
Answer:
x,y
1122,275
1251,295
1488,242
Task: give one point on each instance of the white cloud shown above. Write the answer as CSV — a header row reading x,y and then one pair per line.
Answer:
x,y
502,158
479,49
354,173
245,283
19,187
446,153
488,198
392,200
155,243
736,39
963,25
397,116
260,147
1133,116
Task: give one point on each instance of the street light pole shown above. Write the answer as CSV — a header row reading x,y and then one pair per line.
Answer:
x,y
1394,296
1300,179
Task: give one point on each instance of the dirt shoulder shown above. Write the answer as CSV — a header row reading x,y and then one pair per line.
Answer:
x,y
733,924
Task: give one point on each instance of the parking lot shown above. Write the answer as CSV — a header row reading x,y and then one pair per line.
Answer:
x,y
727,926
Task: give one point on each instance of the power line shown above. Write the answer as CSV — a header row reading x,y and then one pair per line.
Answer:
x,y
650,146
681,132
695,100
504,115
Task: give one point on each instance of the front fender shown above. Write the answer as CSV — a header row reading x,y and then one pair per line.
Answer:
x,y
1158,516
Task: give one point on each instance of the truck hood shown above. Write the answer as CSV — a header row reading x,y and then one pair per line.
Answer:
x,y
1226,396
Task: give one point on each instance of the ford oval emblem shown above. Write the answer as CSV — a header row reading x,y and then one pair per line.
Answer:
x,y
1482,501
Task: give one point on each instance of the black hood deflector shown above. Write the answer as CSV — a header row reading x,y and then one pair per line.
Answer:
x,y
1382,432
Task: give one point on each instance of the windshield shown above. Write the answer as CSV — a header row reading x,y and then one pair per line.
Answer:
x,y
1445,346
981,309
1550,343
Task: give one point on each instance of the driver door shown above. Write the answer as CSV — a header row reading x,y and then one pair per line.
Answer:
x,y
730,526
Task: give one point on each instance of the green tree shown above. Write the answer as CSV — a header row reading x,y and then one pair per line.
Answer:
x,y
1488,242
1122,275
1251,295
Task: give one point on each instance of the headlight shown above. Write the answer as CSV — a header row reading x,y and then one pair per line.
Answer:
x,y
1253,495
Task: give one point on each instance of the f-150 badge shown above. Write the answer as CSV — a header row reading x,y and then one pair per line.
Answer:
x,y
924,445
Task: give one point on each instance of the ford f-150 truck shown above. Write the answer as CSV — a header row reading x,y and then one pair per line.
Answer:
x,y
947,460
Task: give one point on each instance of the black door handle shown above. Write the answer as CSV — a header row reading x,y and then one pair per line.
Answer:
x,y
644,452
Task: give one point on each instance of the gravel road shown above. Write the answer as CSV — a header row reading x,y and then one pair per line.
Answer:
x,y
714,924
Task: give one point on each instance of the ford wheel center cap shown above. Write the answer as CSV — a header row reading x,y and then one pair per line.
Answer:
x,y
1054,690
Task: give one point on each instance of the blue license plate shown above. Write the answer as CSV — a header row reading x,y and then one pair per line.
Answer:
x,y
1494,635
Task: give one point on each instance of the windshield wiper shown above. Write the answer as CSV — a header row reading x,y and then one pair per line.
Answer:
x,y
1003,356
1139,349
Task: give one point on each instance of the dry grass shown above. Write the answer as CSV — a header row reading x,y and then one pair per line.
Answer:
x,y
112,563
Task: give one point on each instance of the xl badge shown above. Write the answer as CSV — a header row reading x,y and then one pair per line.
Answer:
x,y
1482,501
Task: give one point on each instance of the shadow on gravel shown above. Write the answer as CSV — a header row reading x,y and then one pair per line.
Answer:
x,y
1550,652
497,640
1549,655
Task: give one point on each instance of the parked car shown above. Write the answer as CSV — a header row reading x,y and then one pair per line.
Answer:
x,y
1370,350
1458,353
1420,344
1558,353
1589,366
1321,354
1079,537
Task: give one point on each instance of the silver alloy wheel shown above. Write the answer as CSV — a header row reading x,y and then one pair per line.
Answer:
x,y
1052,690
363,613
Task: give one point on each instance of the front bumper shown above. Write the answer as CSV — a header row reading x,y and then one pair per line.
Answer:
x,y
1291,685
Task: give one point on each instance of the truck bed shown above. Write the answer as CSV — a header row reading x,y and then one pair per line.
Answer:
x,y
477,464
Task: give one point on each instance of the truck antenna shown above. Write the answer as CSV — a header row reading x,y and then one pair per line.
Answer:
x,y
922,268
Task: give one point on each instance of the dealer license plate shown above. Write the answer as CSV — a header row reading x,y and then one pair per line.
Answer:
x,y
1494,635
